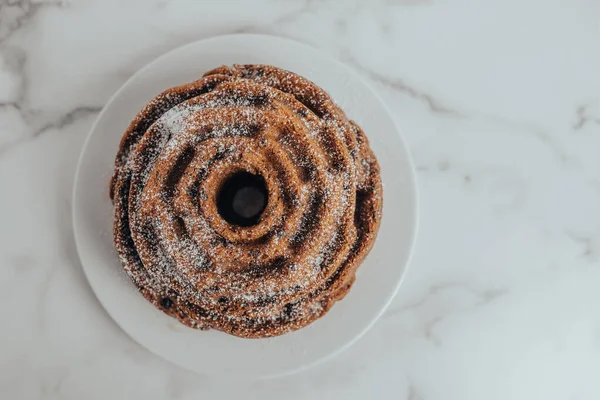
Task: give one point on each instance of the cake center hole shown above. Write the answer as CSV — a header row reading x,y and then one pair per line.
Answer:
x,y
242,199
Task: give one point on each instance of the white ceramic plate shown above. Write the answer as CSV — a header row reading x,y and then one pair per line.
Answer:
x,y
213,352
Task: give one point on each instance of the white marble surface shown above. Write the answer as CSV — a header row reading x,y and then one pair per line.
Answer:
x,y
500,104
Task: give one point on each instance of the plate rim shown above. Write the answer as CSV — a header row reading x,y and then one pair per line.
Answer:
x,y
411,175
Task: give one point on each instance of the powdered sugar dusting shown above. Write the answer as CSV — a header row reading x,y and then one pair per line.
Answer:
x,y
289,268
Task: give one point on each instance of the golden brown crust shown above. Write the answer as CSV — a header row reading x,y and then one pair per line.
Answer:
x,y
322,214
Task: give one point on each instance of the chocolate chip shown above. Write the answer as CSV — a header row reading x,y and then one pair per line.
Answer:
x,y
288,310
166,303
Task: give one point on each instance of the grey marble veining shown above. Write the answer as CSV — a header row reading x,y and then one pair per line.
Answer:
x,y
500,104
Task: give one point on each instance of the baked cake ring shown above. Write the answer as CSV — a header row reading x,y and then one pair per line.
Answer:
x,y
245,201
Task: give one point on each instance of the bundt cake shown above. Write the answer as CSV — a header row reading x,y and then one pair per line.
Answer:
x,y
245,201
